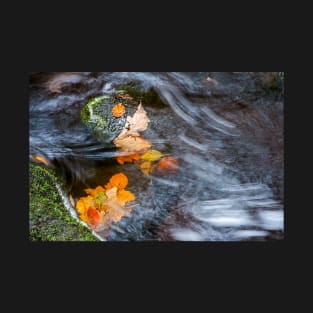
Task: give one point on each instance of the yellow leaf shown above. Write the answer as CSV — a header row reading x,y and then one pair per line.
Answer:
x,y
145,167
84,203
152,155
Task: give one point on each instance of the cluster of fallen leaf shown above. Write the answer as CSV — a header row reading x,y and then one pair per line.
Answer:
x,y
137,149
105,204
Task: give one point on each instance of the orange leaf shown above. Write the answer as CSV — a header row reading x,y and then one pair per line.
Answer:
x,y
93,215
167,164
125,196
93,192
118,110
127,158
118,180
40,159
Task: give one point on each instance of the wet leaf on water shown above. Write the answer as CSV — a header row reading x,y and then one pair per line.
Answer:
x,y
125,195
167,164
40,159
93,216
118,110
152,155
103,205
135,124
147,167
93,192
99,198
133,144
119,181
127,158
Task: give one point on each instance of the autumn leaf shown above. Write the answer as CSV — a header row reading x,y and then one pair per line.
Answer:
x,y
135,124
115,204
125,195
93,215
167,164
99,199
145,167
152,155
83,203
127,158
132,144
103,205
117,210
119,181
40,159
118,110
93,192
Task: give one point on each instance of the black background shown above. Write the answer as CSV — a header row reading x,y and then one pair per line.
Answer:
x,y
60,275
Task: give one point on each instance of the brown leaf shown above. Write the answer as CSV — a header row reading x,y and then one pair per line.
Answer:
x,y
135,124
115,206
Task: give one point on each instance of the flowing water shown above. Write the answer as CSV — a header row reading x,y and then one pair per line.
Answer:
x,y
224,128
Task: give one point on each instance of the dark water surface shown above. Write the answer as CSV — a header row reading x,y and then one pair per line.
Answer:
x,y
225,129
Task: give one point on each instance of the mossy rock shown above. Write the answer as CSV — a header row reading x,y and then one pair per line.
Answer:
x,y
49,219
96,114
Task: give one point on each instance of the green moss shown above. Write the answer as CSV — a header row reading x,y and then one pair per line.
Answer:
x,y
94,109
49,219
96,114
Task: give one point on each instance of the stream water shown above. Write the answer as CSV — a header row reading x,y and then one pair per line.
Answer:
x,y
224,128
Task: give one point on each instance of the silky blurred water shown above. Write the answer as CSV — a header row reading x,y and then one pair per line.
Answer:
x,y
225,129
